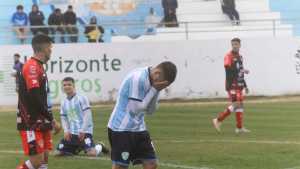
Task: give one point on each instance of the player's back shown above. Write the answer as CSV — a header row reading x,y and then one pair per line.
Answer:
x,y
134,87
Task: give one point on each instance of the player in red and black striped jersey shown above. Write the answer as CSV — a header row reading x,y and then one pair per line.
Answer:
x,y
34,119
235,86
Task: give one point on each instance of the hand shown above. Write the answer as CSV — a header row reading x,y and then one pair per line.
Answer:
x,y
56,127
160,85
81,136
247,91
67,136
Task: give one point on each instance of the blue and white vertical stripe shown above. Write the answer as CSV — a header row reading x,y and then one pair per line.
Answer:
x,y
135,87
73,113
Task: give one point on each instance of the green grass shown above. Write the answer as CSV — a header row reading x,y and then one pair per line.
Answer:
x,y
183,135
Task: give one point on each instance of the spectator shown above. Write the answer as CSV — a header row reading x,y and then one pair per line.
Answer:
x,y
228,7
94,32
36,18
70,22
152,21
17,68
20,21
56,23
170,7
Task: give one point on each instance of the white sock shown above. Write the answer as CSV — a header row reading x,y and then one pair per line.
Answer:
x,y
98,149
29,165
44,166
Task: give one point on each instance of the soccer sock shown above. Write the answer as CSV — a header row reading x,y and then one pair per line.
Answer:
x,y
98,148
44,166
27,165
226,113
239,118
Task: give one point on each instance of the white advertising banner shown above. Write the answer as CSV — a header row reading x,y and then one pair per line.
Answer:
x,y
274,66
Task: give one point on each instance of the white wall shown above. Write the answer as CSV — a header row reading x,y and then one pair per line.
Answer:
x,y
272,65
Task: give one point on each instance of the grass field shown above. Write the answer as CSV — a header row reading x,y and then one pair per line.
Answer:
x,y
184,138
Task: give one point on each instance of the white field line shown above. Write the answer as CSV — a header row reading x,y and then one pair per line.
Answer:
x,y
296,167
213,141
107,159
233,141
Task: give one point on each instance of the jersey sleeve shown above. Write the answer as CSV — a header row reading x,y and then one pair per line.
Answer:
x,y
84,103
137,87
227,60
32,75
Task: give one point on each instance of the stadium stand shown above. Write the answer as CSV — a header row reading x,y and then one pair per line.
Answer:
x,y
205,20
199,19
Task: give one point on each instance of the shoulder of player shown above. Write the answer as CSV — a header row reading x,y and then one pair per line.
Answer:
x,y
228,55
82,97
31,67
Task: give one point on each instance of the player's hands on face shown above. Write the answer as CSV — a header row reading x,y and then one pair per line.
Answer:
x,y
81,136
159,85
67,136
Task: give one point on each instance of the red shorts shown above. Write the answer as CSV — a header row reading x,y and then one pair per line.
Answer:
x,y
236,95
36,142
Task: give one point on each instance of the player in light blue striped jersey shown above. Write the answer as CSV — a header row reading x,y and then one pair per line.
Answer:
x,y
77,122
127,132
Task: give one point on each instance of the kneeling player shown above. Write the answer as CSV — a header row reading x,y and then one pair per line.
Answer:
x,y
76,119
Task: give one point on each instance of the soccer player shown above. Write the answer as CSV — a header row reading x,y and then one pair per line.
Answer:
x,y
17,69
34,119
235,86
127,133
77,122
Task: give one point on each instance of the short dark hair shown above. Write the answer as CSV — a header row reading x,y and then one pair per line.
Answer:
x,y
57,10
19,7
169,70
70,7
39,41
69,79
236,40
17,55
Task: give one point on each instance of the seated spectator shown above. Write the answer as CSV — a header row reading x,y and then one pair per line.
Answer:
x,y
94,32
56,23
170,17
36,18
152,21
228,7
70,20
19,21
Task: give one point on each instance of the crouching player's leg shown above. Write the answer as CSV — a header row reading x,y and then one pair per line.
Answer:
x,y
132,147
145,151
68,146
91,148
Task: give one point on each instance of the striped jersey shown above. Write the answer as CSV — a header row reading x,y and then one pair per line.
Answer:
x,y
135,86
74,111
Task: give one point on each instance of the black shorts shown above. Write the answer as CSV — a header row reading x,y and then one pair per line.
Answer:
x,y
75,146
134,147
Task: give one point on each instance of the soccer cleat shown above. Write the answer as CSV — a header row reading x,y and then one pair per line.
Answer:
x,y
242,130
105,150
217,124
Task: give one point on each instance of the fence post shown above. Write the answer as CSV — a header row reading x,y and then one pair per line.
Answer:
x,y
186,30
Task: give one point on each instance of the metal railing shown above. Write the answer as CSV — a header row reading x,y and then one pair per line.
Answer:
x,y
187,28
